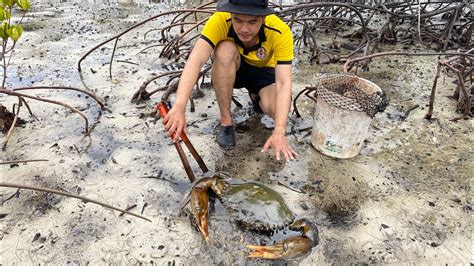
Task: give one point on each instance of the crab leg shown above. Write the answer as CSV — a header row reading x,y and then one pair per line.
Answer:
x,y
290,247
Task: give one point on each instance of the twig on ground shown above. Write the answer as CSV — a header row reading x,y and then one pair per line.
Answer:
x,y
17,192
67,194
128,208
23,161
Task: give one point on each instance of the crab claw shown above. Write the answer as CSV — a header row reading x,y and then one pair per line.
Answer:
x,y
291,247
287,248
199,205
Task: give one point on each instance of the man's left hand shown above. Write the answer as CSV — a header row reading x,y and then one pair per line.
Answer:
x,y
279,144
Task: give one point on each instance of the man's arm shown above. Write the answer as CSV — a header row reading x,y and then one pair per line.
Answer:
x,y
283,82
175,120
283,79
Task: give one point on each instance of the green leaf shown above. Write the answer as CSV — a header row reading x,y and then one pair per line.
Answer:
x,y
2,13
3,31
8,2
15,32
7,14
24,4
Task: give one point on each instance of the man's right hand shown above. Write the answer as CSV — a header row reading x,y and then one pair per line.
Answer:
x,y
175,122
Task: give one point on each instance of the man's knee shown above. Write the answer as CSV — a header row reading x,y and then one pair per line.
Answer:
x,y
227,52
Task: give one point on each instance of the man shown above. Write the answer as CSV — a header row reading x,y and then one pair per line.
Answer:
x,y
251,48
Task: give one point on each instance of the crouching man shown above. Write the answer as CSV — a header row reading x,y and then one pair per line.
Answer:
x,y
251,48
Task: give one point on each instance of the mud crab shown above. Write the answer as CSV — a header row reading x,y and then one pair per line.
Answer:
x,y
256,207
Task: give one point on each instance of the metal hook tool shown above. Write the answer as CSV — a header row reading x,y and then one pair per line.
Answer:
x,y
163,109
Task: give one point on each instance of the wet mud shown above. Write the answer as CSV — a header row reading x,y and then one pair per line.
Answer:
x,y
406,198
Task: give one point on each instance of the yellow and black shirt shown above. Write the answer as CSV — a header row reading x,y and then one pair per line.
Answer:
x,y
275,44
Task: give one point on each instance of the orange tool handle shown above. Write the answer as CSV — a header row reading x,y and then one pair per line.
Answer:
x,y
162,108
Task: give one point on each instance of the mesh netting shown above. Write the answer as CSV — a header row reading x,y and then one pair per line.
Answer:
x,y
351,93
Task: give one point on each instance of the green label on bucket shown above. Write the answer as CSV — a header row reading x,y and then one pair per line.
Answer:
x,y
331,146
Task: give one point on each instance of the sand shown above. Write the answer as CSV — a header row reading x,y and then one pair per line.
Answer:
x,y
406,198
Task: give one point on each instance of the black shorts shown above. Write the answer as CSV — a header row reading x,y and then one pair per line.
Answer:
x,y
253,78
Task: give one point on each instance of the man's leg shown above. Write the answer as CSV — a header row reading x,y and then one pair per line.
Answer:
x,y
268,99
262,85
226,63
226,59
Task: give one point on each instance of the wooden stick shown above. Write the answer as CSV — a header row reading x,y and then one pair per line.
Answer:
x,y
13,93
10,131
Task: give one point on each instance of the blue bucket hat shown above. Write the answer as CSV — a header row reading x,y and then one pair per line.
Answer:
x,y
245,7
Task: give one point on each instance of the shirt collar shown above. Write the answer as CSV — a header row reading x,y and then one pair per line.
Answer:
x,y
261,38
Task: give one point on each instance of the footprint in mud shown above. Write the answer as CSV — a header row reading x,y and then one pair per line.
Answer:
x,y
41,249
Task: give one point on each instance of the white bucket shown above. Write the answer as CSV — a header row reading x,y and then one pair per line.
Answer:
x,y
338,132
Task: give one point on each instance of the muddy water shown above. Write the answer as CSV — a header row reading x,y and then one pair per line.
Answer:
x,y
405,199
